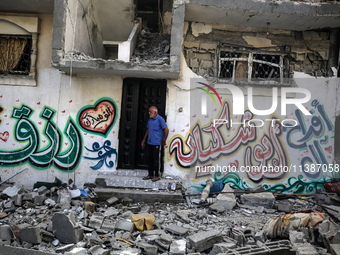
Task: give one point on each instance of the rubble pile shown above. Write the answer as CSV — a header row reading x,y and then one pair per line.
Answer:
x,y
72,221
152,48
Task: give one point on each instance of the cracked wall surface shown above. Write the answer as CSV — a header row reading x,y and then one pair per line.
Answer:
x,y
305,51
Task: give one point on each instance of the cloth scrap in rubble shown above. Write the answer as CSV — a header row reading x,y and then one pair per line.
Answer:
x,y
281,225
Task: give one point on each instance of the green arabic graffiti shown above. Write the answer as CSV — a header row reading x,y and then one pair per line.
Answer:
x,y
25,131
296,186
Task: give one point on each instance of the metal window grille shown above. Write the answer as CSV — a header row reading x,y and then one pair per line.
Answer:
x,y
251,67
18,50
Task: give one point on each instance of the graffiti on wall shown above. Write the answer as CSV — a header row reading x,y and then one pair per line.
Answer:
x,y
98,118
26,133
225,141
311,139
3,135
103,156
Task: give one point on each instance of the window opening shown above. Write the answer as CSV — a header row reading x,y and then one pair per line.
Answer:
x,y
251,67
15,54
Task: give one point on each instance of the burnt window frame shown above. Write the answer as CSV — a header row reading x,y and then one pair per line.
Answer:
x,y
248,56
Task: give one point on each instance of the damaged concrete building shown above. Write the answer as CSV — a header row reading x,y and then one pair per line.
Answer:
x,y
249,91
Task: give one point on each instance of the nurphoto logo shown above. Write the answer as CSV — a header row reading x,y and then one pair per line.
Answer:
x,y
238,103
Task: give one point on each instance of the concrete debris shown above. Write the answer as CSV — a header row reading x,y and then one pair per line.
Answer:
x,y
152,48
55,220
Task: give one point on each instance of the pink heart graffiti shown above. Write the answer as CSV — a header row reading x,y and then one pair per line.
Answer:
x,y
99,118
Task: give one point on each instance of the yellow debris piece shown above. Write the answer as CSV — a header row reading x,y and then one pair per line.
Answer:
x,y
143,221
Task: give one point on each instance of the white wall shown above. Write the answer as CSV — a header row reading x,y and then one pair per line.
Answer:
x,y
310,143
66,96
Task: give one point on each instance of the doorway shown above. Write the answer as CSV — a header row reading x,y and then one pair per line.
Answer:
x,y
138,96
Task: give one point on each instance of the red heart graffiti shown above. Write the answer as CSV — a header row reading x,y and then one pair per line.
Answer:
x,y
99,118
171,165
4,136
329,149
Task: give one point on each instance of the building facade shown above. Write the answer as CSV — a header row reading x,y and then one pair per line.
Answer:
x,y
249,90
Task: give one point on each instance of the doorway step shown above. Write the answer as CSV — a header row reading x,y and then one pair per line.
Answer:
x,y
130,184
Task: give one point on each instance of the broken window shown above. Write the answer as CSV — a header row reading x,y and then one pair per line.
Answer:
x,y
251,67
151,13
15,54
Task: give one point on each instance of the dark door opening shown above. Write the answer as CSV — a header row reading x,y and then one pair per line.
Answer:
x,y
138,96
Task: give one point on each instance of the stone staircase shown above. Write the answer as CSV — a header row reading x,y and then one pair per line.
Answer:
x,y
130,184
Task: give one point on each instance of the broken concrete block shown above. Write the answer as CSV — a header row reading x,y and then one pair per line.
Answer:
x,y
285,207
306,249
125,225
39,200
296,237
227,200
9,204
204,240
31,235
178,247
335,249
327,231
265,199
18,200
46,236
66,229
153,232
6,232
64,199
148,248
222,248
97,250
96,220
108,224
163,242
49,202
13,191
111,201
77,251
177,230
217,207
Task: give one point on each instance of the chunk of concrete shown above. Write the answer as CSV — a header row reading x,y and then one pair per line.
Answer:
x,y
227,200
111,201
285,207
306,249
77,251
296,237
204,240
97,250
125,225
66,229
217,207
6,233
31,235
96,220
13,191
265,199
335,249
177,230
222,248
148,248
178,247
64,199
